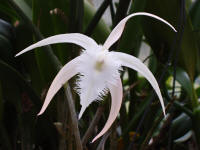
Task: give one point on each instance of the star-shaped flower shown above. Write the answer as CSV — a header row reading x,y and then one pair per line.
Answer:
x,y
98,69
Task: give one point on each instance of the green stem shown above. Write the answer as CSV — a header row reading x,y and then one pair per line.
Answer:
x,y
155,124
74,119
93,124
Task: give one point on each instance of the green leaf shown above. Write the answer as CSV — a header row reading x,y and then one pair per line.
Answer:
x,y
6,49
27,104
6,10
28,59
183,78
8,73
25,7
6,29
198,92
196,123
194,12
101,31
161,37
189,54
181,125
76,15
1,103
184,138
132,35
49,25
7,37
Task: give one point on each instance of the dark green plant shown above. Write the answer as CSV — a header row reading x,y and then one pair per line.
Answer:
x,y
24,81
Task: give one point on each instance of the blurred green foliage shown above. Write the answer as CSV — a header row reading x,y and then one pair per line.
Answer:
x,y
174,58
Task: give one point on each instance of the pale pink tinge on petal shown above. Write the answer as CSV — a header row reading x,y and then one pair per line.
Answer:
x,y
135,64
68,71
117,31
116,95
76,38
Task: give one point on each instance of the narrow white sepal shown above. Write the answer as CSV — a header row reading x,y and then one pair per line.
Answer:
x,y
67,72
76,38
81,111
116,95
117,31
134,63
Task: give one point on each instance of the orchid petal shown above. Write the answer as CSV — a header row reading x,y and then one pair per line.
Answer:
x,y
88,93
116,94
76,38
117,31
134,63
67,72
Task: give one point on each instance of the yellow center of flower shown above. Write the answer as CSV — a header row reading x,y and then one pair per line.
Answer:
x,y
100,62
99,65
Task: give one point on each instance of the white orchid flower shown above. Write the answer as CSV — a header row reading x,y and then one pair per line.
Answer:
x,y
98,69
